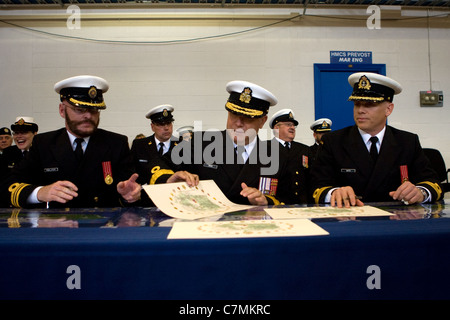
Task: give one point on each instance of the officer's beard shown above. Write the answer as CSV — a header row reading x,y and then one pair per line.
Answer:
x,y
73,126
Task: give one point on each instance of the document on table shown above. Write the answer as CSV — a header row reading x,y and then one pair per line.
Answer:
x,y
178,200
244,229
325,212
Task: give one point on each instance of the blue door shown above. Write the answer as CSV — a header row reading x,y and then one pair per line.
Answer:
x,y
331,91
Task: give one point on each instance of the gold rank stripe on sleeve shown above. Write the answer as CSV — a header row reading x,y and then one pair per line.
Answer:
x,y
275,200
318,192
15,190
435,186
158,172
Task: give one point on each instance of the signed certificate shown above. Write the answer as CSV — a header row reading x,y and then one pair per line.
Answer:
x,y
178,200
244,229
325,212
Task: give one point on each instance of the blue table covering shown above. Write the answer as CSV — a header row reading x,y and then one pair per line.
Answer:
x,y
412,257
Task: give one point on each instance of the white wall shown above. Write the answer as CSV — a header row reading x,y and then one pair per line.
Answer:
x,y
192,75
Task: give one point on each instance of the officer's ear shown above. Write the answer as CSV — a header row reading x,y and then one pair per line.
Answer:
x,y
62,110
262,121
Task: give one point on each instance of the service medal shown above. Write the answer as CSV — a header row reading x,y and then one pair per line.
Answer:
x,y
107,172
108,179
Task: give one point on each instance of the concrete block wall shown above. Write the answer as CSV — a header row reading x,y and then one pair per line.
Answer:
x,y
192,75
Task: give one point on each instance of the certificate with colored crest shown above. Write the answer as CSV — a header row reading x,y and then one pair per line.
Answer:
x,y
178,200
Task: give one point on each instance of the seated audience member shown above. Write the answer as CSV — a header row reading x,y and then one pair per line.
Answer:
x,y
5,139
5,142
24,130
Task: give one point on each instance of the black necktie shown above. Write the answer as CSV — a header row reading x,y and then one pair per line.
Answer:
x,y
373,148
24,154
287,145
239,154
161,148
78,149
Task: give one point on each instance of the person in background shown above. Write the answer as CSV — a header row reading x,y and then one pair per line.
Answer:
x,y
319,128
284,126
155,145
372,161
79,165
24,130
185,133
5,139
5,142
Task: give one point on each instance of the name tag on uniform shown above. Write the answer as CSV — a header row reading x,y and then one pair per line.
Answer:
x,y
56,169
143,160
345,170
210,166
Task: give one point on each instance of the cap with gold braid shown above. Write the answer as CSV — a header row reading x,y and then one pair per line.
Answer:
x,y
24,124
321,125
249,99
373,87
83,91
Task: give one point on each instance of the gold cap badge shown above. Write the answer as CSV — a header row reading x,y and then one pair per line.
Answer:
x,y
364,83
92,92
246,95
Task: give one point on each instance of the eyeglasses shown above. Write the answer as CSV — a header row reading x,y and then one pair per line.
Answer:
x,y
81,110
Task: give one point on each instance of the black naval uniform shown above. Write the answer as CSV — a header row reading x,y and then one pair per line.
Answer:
x,y
298,171
227,176
343,160
313,152
52,158
10,158
143,151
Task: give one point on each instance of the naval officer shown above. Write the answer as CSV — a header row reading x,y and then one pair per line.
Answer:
x,y
79,165
373,160
284,124
155,145
247,169
24,129
319,127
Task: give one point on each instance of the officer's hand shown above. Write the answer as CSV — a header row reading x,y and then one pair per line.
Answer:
x,y
253,195
60,191
408,193
346,197
191,179
129,189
